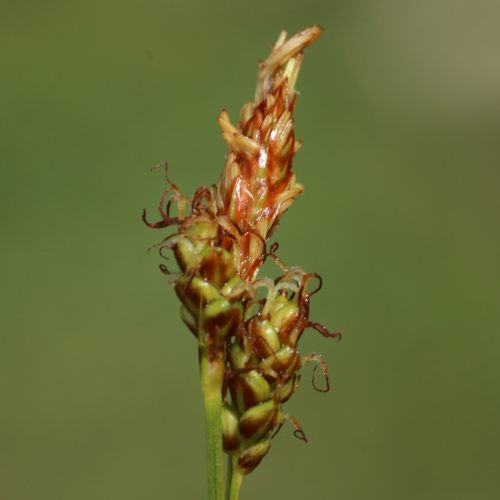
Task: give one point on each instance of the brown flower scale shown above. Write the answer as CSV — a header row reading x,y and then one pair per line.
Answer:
x,y
220,246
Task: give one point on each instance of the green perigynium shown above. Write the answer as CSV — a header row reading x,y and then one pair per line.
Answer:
x,y
248,346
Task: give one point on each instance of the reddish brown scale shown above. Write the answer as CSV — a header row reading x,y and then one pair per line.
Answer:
x,y
291,363
261,347
216,267
248,460
230,442
253,184
180,259
255,123
281,366
190,295
262,423
278,169
244,196
288,325
224,320
251,270
238,384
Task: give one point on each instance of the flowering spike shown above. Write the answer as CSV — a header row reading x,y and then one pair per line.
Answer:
x,y
248,345
258,185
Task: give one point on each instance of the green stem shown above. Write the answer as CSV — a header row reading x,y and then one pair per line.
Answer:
x,y
236,480
212,371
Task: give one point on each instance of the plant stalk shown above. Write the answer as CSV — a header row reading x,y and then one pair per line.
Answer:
x,y
237,476
212,372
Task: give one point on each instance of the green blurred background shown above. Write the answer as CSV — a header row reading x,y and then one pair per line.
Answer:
x,y
399,115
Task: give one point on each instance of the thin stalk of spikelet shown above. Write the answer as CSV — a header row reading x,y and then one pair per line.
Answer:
x,y
249,358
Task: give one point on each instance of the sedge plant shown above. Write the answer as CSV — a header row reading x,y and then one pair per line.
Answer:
x,y
247,341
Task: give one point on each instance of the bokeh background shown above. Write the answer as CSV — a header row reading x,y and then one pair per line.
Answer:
x,y
399,115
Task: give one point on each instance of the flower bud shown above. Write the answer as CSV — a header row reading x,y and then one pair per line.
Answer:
x,y
195,293
238,357
249,389
284,319
285,390
252,456
230,285
237,289
258,420
185,254
279,302
220,317
286,360
201,233
265,337
230,432
216,265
